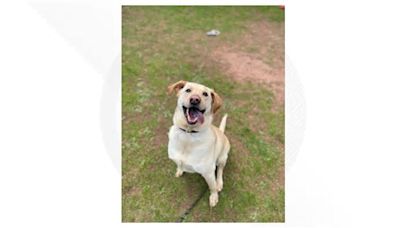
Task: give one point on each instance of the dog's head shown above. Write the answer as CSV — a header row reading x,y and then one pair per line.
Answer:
x,y
196,103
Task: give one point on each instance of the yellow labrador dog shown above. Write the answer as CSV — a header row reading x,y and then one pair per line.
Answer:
x,y
195,145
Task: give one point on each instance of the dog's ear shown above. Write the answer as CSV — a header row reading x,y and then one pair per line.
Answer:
x,y
216,101
176,86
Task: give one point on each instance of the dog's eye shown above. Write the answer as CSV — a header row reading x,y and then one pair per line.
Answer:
x,y
188,90
205,94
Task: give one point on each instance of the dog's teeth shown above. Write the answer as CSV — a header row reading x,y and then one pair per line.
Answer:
x,y
188,116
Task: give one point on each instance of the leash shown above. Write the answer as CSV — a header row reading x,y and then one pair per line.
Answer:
x,y
183,216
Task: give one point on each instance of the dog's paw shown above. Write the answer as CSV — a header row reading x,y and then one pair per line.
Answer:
x,y
213,199
220,185
178,173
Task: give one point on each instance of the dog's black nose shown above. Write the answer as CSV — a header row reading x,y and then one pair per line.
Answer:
x,y
195,100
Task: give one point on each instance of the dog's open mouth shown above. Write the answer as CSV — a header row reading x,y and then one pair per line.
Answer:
x,y
193,115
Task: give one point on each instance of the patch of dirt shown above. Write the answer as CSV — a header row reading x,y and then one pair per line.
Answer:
x,y
161,134
238,145
134,191
257,57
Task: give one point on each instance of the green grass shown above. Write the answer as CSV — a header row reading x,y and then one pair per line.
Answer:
x,y
161,45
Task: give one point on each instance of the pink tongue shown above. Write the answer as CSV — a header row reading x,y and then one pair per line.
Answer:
x,y
195,115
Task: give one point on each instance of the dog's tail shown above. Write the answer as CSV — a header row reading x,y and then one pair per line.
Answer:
x,y
223,123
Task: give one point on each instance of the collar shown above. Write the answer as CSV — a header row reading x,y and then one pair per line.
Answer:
x,y
187,131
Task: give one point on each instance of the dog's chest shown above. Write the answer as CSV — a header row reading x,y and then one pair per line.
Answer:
x,y
192,152
193,159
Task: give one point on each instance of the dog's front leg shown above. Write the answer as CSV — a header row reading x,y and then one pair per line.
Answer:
x,y
179,170
220,182
212,184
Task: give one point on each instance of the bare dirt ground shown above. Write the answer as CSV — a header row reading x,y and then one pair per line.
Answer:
x,y
257,57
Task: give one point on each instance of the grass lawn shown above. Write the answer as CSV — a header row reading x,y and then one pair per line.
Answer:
x,y
161,45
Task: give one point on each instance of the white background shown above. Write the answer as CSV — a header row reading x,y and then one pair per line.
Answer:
x,y
59,163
